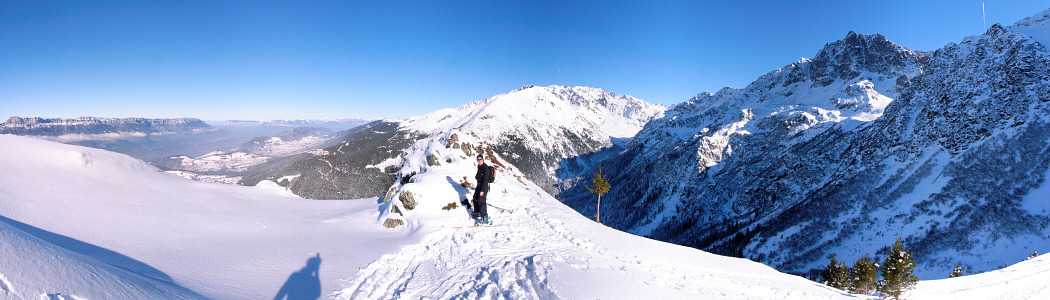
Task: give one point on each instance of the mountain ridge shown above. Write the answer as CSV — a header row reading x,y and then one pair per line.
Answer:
x,y
818,158
93,125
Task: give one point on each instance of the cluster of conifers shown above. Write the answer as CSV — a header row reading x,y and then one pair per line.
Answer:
x,y
896,270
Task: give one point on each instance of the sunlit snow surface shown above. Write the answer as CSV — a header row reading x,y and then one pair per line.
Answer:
x,y
97,224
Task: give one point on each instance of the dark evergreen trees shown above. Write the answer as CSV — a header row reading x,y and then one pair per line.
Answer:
x,y
957,271
864,276
897,272
836,274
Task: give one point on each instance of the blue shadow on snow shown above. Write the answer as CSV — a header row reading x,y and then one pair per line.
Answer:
x,y
98,253
303,284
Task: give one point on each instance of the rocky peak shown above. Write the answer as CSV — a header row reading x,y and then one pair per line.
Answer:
x,y
524,87
857,53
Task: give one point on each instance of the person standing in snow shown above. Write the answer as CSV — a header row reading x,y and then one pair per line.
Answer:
x,y
482,191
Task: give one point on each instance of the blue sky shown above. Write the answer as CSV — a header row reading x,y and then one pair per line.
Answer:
x,y
372,59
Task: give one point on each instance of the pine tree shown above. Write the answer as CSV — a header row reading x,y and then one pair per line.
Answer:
x,y
836,274
601,186
1033,255
827,276
958,271
897,272
864,275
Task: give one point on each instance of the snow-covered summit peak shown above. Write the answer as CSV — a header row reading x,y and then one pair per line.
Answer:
x,y
618,116
537,127
1036,26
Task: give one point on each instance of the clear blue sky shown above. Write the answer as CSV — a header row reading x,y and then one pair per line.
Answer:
x,y
292,59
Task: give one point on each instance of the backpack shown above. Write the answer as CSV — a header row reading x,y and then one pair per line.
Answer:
x,y
492,174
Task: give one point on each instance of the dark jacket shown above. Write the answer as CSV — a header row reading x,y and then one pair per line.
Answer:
x,y
483,183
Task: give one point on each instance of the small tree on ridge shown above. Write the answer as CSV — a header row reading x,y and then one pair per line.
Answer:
x,y
600,187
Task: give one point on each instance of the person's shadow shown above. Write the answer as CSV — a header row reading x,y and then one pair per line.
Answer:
x,y
303,284
464,193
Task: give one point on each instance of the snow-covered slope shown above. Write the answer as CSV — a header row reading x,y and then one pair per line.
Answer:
x,y
842,153
151,233
143,234
538,247
1022,281
536,128
33,268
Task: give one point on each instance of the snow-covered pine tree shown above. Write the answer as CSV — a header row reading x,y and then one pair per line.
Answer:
x,y
864,275
897,272
958,271
836,274
1033,255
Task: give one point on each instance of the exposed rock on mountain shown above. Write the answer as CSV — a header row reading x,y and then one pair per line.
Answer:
x,y
843,153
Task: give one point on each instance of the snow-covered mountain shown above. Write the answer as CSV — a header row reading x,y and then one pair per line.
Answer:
x,y
543,130
538,128
843,153
86,223
343,170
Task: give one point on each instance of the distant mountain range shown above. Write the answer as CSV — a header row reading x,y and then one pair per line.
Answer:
x,y
92,125
334,124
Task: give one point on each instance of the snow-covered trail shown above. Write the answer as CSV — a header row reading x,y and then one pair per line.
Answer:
x,y
542,249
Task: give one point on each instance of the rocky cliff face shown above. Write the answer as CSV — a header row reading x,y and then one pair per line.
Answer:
x,y
843,153
92,125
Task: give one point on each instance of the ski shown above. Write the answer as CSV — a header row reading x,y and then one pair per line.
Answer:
x,y
472,226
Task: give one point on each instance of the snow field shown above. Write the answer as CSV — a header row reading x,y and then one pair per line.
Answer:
x,y
1025,280
220,241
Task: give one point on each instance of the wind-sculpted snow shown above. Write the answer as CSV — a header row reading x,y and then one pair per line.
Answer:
x,y
843,153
